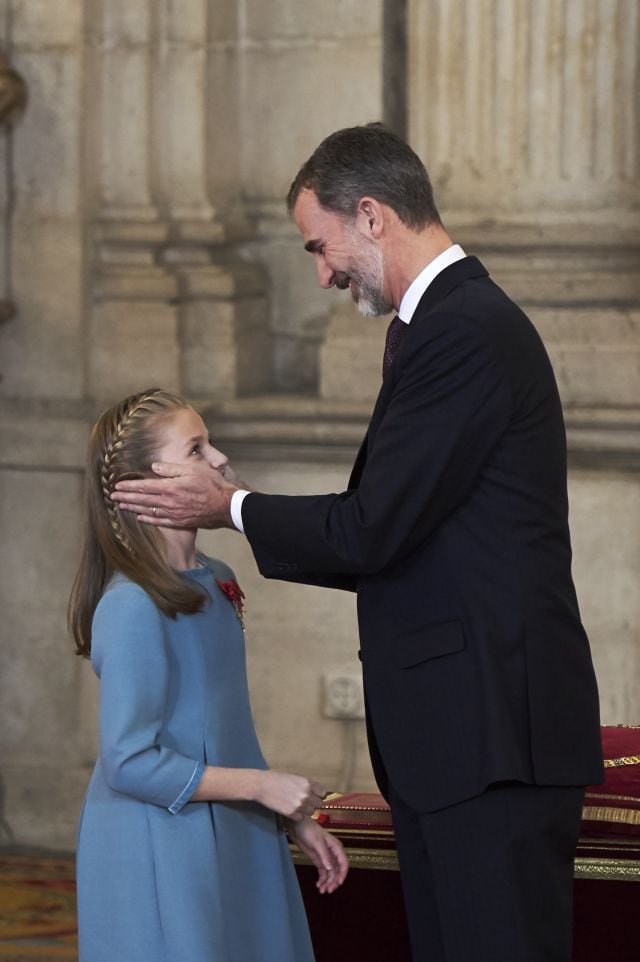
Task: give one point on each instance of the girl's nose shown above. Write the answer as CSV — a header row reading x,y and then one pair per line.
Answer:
x,y
217,459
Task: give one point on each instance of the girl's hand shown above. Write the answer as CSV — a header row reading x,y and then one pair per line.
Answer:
x,y
324,850
290,795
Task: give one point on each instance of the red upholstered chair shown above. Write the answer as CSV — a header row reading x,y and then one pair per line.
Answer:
x,y
365,918
607,873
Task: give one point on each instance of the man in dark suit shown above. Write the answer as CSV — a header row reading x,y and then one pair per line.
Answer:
x,y
482,707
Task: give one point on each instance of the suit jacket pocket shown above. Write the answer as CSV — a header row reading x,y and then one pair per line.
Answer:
x,y
428,642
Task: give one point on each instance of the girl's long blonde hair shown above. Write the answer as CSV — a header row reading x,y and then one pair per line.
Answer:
x,y
123,445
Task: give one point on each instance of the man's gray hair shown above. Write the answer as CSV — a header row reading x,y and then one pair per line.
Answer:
x,y
368,161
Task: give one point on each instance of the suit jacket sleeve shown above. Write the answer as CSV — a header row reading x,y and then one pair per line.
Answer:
x,y
449,405
130,657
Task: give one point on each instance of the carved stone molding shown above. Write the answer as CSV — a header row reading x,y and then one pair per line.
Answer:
x,y
307,430
190,305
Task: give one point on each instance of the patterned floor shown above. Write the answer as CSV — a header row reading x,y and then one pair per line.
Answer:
x,y
37,907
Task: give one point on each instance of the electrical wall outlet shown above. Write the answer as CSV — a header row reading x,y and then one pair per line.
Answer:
x,y
343,694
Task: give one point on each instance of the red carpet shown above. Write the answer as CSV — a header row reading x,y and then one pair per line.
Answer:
x,y
37,907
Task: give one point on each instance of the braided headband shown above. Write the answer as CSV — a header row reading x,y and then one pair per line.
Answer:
x,y
108,474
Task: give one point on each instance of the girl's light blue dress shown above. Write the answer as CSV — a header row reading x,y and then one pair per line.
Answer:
x,y
162,879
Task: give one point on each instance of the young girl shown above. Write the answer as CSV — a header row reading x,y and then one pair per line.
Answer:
x,y
180,853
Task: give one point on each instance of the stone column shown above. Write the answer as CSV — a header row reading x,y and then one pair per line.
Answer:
x,y
223,310
224,323
180,110
120,55
305,71
169,286
44,207
42,429
133,322
527,113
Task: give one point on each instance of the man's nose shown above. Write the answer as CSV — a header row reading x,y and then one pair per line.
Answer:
x,y
326,275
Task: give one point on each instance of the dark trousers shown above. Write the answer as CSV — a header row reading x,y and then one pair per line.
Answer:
x,y
491,879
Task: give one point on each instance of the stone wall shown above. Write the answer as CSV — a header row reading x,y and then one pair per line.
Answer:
x,y
144,240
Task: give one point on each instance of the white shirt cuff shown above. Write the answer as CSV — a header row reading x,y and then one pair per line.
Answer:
x,y
236,509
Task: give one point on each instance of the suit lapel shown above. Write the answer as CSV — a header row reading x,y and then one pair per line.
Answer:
x,y
441,286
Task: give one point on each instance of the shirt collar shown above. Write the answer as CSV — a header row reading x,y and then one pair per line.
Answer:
x,y
417,287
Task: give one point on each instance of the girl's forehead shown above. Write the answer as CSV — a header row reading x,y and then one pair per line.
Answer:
x,y
185,421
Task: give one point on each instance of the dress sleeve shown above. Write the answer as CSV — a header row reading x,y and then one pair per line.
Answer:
x,y
131,658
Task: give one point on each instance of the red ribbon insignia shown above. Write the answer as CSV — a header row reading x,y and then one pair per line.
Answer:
x,y
235,594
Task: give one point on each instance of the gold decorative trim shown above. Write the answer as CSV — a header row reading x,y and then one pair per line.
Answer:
x,y
611,841
370,858
604,869
380,832
354,808
621,845
624,760
620,816
614,798
607,869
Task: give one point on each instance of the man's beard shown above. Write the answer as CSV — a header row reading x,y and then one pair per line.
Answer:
x,y
369,277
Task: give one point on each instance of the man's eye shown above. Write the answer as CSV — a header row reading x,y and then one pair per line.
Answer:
x,y
195,449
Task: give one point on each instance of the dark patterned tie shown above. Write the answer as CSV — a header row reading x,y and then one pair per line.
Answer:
x,y
395,333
